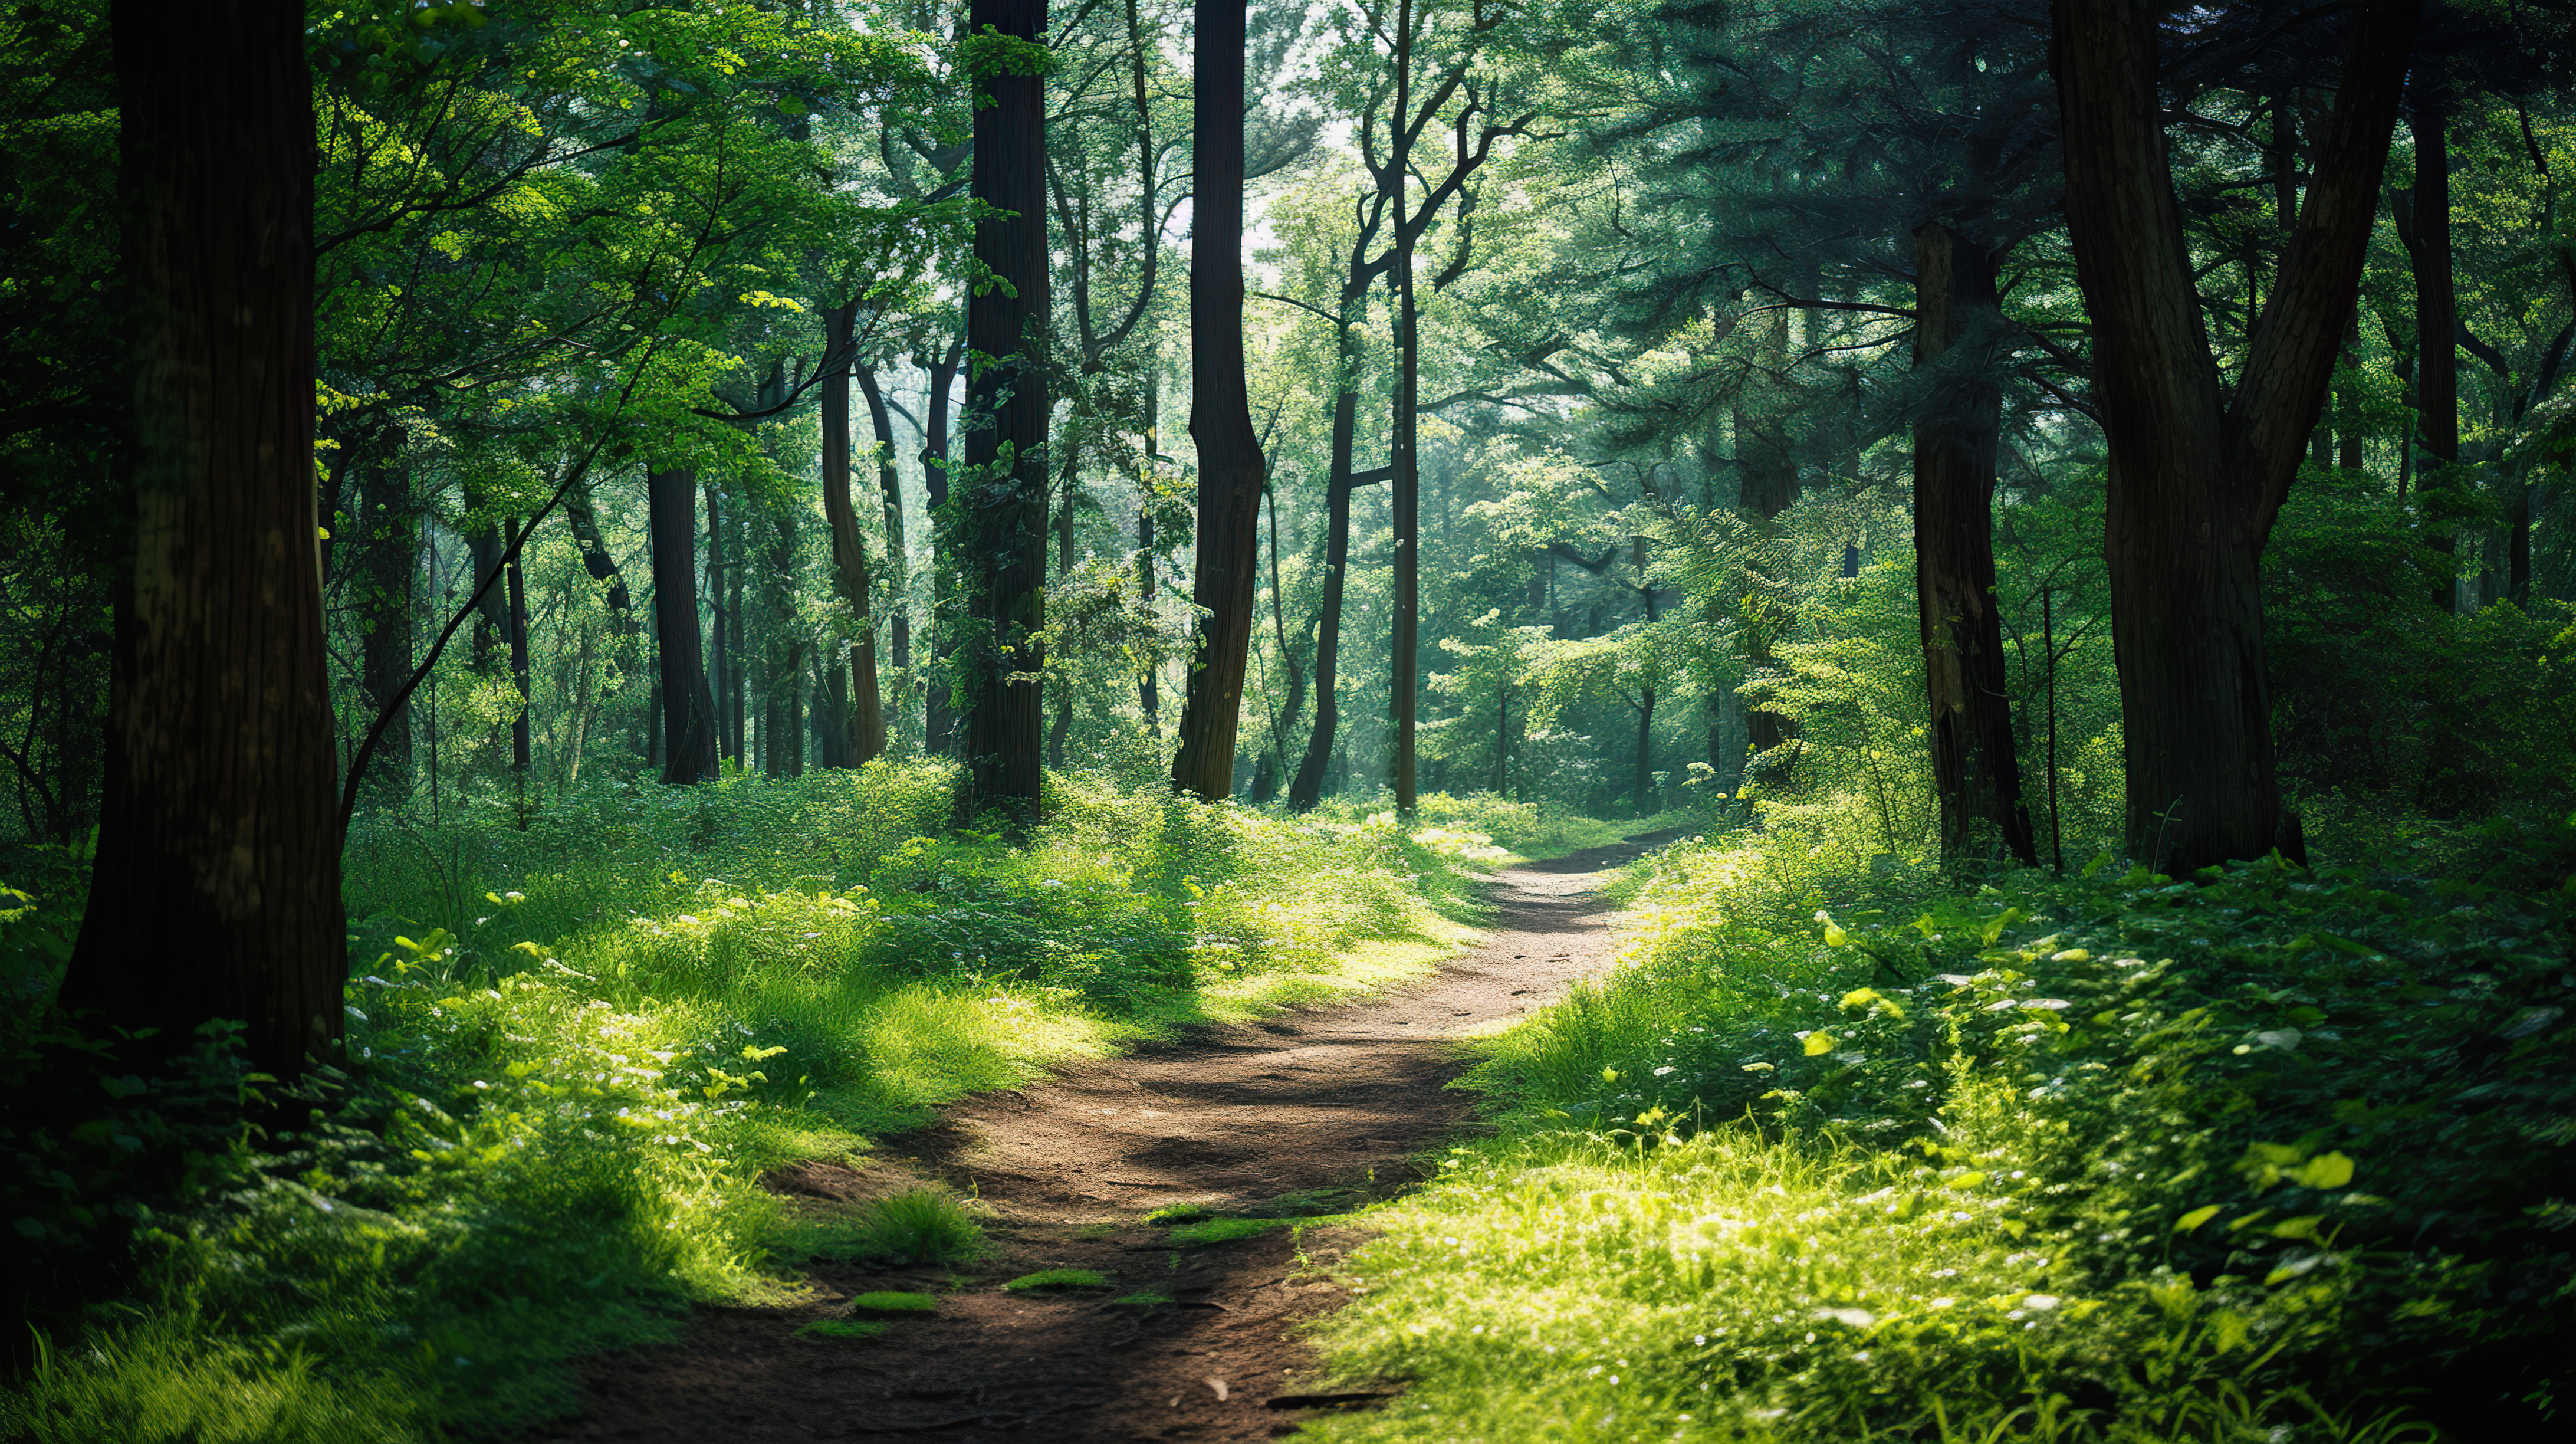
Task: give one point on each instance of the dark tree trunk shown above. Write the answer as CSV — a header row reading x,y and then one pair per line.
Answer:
x,y
1974,770
782,734
737,676
719,655
898,613
584,517
940,720
1406,502
2196,479
865,715
1149,689
1274,771
1767,483
216,892
688,706
1230,462
516,583
386,572
2437,316
1308,787
1004,518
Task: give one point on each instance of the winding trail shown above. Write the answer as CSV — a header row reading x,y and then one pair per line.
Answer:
x,y
1310,1111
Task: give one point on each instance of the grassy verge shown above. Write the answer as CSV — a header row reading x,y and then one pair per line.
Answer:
x,y
574,1050
2274,1155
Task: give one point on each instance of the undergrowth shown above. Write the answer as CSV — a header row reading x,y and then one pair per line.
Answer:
x,y
2270,1154
574,1049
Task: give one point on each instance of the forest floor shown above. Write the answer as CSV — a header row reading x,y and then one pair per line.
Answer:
x,y
1309,1113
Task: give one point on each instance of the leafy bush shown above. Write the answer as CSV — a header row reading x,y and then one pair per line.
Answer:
x,y
2110,1157
572,1052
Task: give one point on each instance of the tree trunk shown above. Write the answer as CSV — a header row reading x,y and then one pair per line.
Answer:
x,y
1308,788
216,892
897,611
1406,503
2437,318
2195,480
1228,556
1004,519
688,705
584,517
386,570
1767,482
865,715
939,723
516,582
1974,770
782,739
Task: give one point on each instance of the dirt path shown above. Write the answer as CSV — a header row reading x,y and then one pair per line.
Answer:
x,y
1311,1111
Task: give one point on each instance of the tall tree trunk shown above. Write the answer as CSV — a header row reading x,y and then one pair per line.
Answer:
x,y
1974,770
1308,788
1274,771
865,715
583,514
940,737
688,704
2437,317
1005,515
386,571
1767,483
1405,500
520,678
2197,479
782,740
1230,461
896,715
737,553
718,654
216,891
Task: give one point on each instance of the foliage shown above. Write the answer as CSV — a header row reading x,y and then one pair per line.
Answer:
x,y
2107,1157
580,1023
917,1226
1050,1279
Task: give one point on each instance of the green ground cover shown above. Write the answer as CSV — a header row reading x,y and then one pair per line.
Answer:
x,y
574,1049
1843,1153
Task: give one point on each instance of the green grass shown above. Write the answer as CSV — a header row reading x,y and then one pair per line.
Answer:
x,y
627,1013
887,1301
1223,1230
1143,1301
920,1225
2107,1159
842,1331
1177,1213
1050,1279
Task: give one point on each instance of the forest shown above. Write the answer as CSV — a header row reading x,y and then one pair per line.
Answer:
x,y
1434,720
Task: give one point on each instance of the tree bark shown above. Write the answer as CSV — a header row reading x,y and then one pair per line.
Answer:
x,y
1766,485
1230,463
1004,515
1308,787
1974,769
1406,504
2196,479
216,892
2437,317
939,722
865,714
898,612
688,705
388,563
520,678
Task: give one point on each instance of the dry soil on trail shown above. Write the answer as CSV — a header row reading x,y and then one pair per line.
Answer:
x,y
1310,1111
